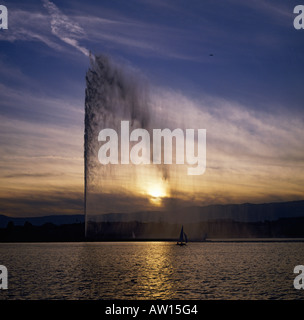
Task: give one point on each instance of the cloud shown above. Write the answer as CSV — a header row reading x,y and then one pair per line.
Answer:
x,y
99,28
236,129
141,38
41,145
64,28
29,26
32,175
45,28
251,155
10,72
42,203
23,104
277,10
59,31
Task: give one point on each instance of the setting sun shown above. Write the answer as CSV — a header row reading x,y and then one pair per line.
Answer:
x,y
157,191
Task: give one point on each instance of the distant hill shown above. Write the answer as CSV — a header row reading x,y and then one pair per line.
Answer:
x,y
38,221
246,212
269,220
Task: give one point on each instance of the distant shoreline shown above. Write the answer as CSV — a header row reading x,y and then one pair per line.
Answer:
x,y
281,230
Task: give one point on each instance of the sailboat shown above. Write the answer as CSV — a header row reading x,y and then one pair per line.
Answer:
x,y
182,238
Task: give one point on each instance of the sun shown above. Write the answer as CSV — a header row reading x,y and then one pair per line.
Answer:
x,y
157,192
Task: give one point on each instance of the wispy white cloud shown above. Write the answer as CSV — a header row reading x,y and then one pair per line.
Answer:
x,y
64,28
24,104
102,29
36,157
54,29
257,150
276,10
59,31
30,26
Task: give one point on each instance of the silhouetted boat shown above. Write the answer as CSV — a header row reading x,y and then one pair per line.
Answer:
x,y
182,238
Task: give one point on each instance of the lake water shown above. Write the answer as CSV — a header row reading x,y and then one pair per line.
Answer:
x,y
152,270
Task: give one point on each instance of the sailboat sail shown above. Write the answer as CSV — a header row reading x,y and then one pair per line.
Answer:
x,y
186,239
181,236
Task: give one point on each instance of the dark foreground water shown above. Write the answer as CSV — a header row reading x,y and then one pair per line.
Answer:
x,y
151,270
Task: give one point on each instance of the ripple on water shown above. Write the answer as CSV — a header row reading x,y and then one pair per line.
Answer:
x,y
157,270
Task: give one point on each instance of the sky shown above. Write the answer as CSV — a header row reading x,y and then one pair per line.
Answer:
x,y
237,64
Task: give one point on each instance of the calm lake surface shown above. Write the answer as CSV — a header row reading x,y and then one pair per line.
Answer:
x,y
152,270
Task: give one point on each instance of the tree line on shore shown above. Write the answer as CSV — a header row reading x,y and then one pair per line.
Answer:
x,y
105,231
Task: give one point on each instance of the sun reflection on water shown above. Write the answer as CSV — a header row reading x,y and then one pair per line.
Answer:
x,y
156,276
